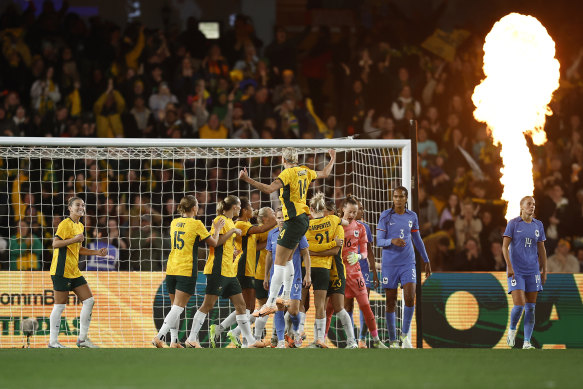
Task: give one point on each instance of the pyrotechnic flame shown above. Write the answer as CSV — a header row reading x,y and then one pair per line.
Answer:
x,y
521,76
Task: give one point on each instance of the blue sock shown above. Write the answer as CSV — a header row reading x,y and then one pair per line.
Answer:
x,y
279,322
363,327
528,321
407,317
295,319
515,316
391,326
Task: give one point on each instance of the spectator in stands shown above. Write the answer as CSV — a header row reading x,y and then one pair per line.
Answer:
x,y
26,249
108,109
451,211
467,225
110,262
428,218
214,129
145,247
470,258
404,102
562,261
45,93
258,108
495,260
288,89
441,246
160,99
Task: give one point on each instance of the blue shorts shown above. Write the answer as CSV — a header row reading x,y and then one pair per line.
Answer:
x,y
296,291
530,283
365,268
395,275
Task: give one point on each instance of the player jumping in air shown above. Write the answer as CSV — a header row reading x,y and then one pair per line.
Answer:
x,y
292,183
526,263
397,231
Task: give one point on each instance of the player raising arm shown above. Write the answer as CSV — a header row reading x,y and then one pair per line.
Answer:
x,y
292,183
185,234
221,273
397,231
66,275
526,263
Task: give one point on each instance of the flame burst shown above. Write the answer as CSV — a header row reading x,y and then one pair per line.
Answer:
x,y
521,76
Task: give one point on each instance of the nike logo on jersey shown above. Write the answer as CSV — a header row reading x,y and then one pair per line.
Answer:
x,y
519,231
391,224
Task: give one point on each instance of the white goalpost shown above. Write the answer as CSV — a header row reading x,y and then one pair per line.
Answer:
x,y
131,188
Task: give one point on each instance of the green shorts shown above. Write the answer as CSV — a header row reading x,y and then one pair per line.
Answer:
x,y
320,278
293,230
63,284
337,285
182,283
218,285
246,282
260,292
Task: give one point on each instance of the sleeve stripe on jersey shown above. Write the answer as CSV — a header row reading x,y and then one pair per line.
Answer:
x,y
280,180
380,229
415,230
57,236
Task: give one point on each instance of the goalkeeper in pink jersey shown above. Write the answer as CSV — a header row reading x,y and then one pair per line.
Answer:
x,y
355,240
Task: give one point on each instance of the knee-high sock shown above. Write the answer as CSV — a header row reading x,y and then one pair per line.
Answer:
x,y
174,331
243,321
276,282
302,316
279,323
515,315
346,324
197,322
528,320
259,326
55,322
329,313
363,327
320,326
407,317
391,325
170,321
237,330
366,313
295,320
288,323
288,279
85,317
227,323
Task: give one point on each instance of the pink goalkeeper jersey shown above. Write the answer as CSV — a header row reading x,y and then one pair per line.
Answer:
x,y
355,241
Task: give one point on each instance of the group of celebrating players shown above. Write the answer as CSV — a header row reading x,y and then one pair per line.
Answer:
x,y
275,262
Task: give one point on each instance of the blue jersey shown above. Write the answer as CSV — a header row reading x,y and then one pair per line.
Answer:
x,y
392,225
297,257
368,233
523,247
107,263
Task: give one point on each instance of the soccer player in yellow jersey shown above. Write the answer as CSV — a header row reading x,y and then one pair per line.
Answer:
x,y
221,276
186,233
292,183
66,275
247,263
324,245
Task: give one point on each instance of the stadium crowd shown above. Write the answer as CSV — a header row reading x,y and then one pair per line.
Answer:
x,y
63,77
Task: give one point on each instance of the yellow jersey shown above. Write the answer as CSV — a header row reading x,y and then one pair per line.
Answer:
x,y
261,255
293,194
337,264
185,235
247,260
320,236
66,259
220,260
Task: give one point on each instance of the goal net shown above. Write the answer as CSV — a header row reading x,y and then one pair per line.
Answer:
x,y
131,189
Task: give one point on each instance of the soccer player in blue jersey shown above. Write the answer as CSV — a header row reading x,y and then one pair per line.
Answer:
x,y
397,231
526,263
295,285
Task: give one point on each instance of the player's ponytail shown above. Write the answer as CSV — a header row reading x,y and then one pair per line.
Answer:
x,y
318,202
187,204
262,214
350,199
226,204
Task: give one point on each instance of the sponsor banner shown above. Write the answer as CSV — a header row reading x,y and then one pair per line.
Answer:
x,y
459,310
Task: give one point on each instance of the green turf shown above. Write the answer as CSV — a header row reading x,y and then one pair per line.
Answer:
x,y
304,368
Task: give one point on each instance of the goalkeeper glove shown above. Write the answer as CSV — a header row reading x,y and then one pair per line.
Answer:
x,y
353,258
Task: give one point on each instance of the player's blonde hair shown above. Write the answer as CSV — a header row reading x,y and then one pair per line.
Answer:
x,y
318,202
290,154
262,214
226,204
187,203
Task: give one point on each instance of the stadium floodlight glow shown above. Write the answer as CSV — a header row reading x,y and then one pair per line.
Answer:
x,y
133,185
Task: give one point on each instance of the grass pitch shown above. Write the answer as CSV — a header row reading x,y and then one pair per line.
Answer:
x,y
300,368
